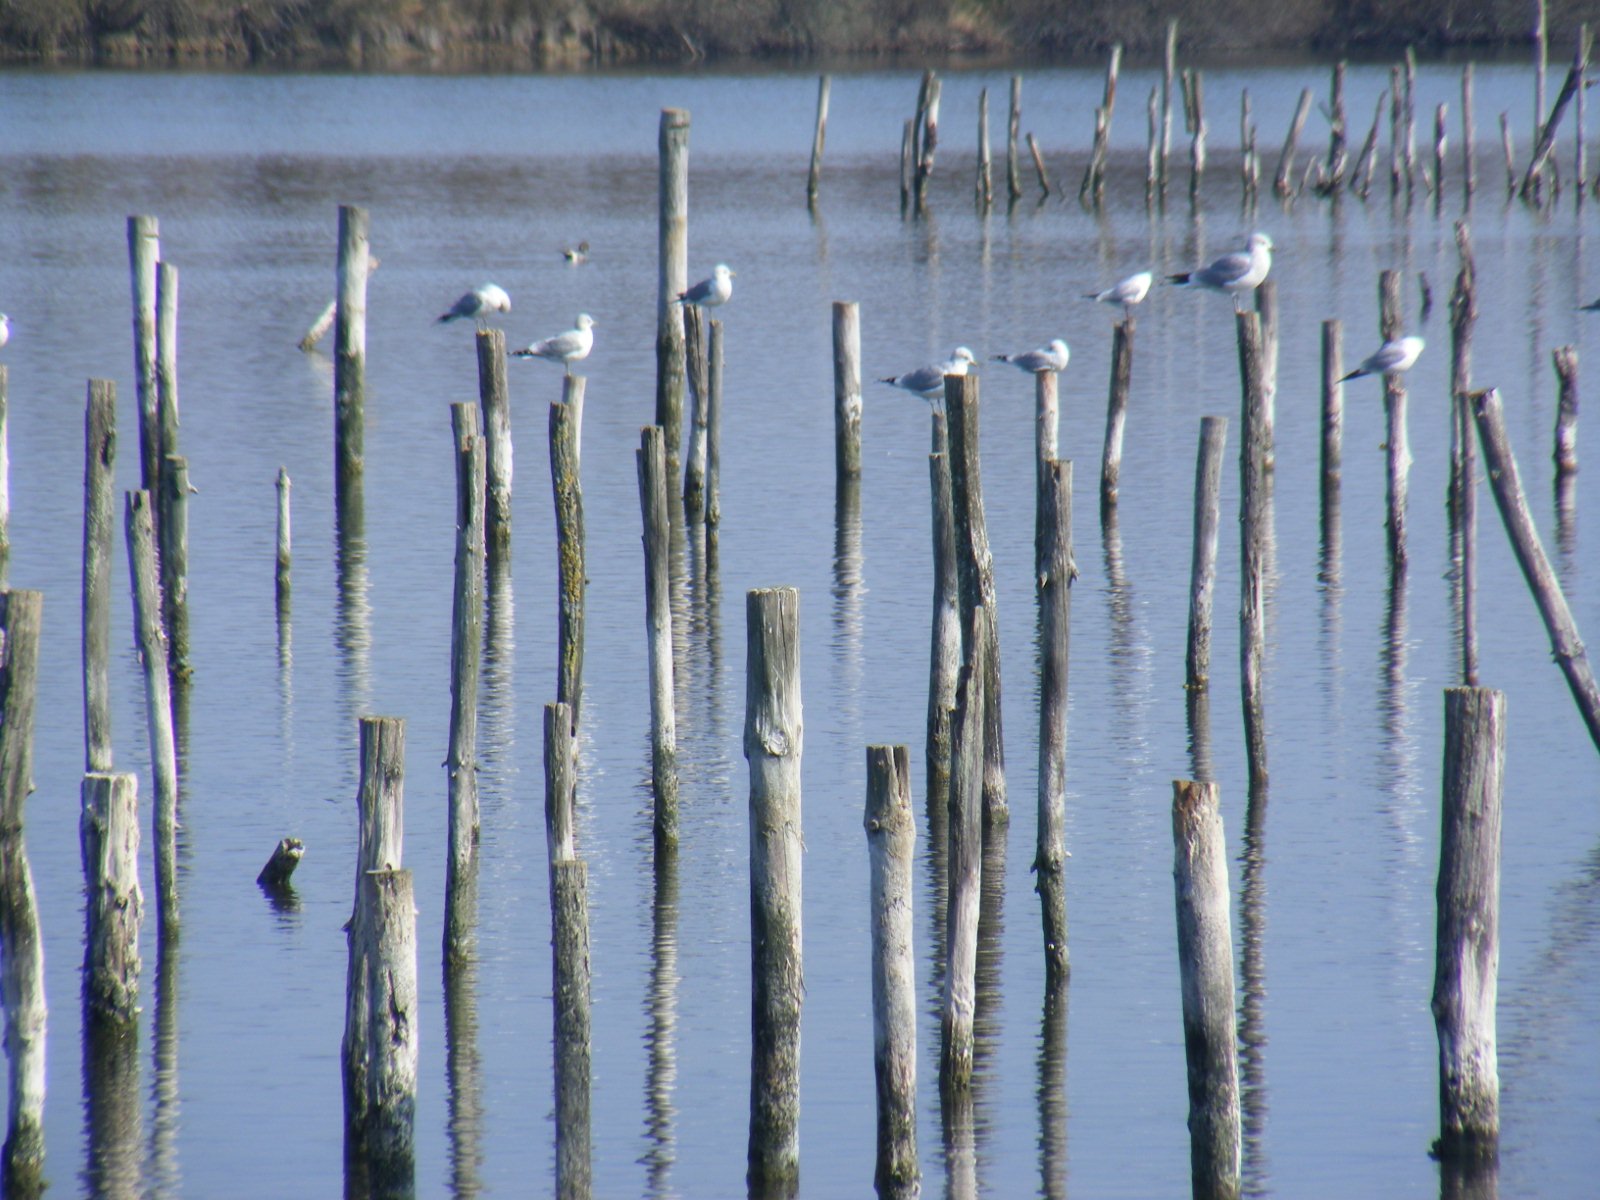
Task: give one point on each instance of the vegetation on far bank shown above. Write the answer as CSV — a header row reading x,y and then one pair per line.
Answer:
x,y
456,34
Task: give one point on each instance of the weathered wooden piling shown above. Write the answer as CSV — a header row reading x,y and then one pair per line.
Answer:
x,y
1046,422
1409,122
1152,157
673,274
1013,127
99,521
846,389
138,524
1194,122
382,1123
1253,520
698,371
1249,167
1331,176
172,529
466,649
1332,415
1054,572
494,398
350,354
1282,177
927,136
714,439
166,360
1508,147
651,461
1205,964
983,186
1116,411
1566,451
1169,67
108,832
818,137
956,1031
1266,300
1467,944
1505,481
5,476
570,581
1580,149
1545,137
1398,461
1203,562
1441,142
21,943
569,891
1463,504
282,577
1367,160
773,742
975,574
560,784
1469,174
944,657
1038,166
908,144
144,250
891,846
280,865
1093,186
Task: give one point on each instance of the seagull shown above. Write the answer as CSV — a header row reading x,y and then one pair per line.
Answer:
x,y
569,347
478,304
5,329
1241,271
577,255
709,293
1047,358
1392,358
1127,292
928,382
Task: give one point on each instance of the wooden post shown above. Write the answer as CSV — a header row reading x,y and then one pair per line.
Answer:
x,y
1152,158
99,520
569,891
1546,137
1463,454
5,477
1280,180
891,846
1441,139
956,1042
847,389
350,354
1046,422
494,396
975,573
1267,307
1038,165
1338,133
928,137
157,697
944,658
1253,519
1203,563
1396,131
1116,411
1580,160
1205,962
21,944
698,371
714,439
1467,950
1565,642
1169,65
280,867
1249,170
818,137
570,582
673,275
1566,452
651,460
1409,122
144,250
560,784
466,647
1508,147
1469,176
1054,571
172,526
1332,415
1392,323
285,541
908,142
1013,127
984,187
108,834
382,1125
167,359
1367,160
1195,122
773,741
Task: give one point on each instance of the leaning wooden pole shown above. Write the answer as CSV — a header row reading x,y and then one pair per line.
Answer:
x,y
570,581
1203,561
1467,945
773,741
21,944
99,525
144,251
1205,962
1565,359
1053,575
651,461
846,389
1253,519
672,274
466,649
1506,482
494,398
818,137
350,354
891,848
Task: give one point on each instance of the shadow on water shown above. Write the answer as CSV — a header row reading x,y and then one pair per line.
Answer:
x,y
1053,1107
989,1009
113,1115
353,611
1469,1180
165,1176
960,1145
462,1061
849,589
1398,760
1253,1092
1566,495
497,695
661,1012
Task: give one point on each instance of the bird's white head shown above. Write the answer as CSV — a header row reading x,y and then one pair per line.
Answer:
x,y
1259,241
723,271
962,355
1059,347
585,321
495,298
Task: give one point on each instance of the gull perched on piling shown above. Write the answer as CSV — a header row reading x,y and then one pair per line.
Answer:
x,y
1392,357
1047,358
1126,292
478,304
709,293
569,347
1236,273
928,382
5,329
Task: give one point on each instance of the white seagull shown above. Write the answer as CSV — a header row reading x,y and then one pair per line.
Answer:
x,y
478,304
1236,273
709,293
5,329
569,347
1126,292
1391,358
1047,358
928,382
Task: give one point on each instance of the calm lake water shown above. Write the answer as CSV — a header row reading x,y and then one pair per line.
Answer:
x,y
238,1088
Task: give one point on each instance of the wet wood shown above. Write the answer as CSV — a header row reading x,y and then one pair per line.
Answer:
x,y
819,136
108,832
572,985
494,398
651,462
1116,412
560,784
1397,440
350,352
466,652
1566,452
1054,573
1253,532
144,251
846,389
280,866
672,274
571,582
1203,562
99,525
956,1031
944,659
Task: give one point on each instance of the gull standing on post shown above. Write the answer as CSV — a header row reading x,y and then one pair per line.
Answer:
x,y
709,293
569,347
478,304
928,382
1126,292
1392,357
1236,273
1047,358
5,329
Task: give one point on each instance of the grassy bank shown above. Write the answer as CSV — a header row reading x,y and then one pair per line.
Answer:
x,y
520,34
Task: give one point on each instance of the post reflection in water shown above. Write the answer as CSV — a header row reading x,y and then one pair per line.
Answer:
x,y
497,697
462,1061
1253,1092
661,1013
113,1114
165,1176
988,1018
960,1145
353,620
848,593
1052,1097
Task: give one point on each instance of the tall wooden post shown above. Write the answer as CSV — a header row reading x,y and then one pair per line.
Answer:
x,y
108,832
651,460
570,581
673,276
1203,562
495,399
99,523
846,389
818,137
1253,519
350,355
1394,408
1053,572
144,250
466,642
